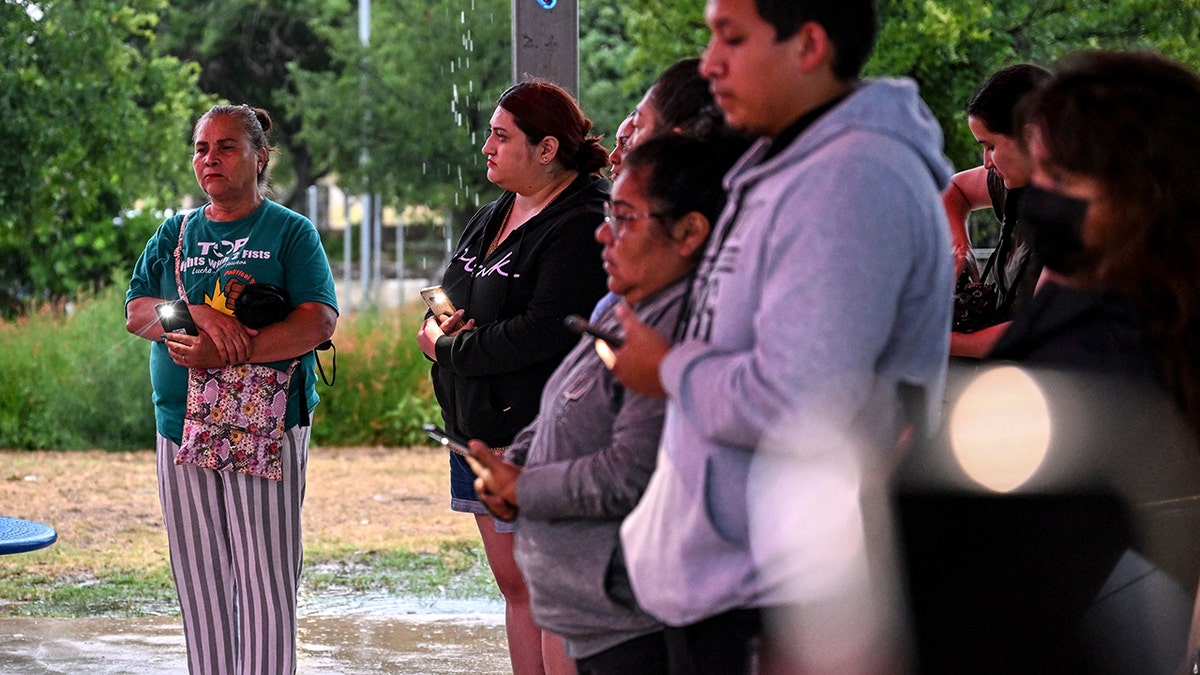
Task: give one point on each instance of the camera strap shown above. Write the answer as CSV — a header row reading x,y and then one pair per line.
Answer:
x,y
326,346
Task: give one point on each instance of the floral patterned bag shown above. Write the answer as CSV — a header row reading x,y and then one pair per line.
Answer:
x,y
234,416
234,419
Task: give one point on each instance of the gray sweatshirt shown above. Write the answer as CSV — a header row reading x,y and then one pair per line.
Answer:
x,y
826,285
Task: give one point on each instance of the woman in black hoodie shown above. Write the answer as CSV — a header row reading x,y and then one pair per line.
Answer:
x,y
525,261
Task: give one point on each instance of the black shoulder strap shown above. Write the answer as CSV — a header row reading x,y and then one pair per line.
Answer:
x,y
327,346
997,193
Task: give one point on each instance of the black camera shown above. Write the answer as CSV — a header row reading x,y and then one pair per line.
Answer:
x,y
261,305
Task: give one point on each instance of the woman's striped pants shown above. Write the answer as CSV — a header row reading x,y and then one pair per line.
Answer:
x,y
236,554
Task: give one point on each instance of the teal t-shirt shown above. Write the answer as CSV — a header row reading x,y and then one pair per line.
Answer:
x,y
273,245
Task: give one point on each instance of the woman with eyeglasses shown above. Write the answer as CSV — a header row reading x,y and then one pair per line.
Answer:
x,y
524,262
570,478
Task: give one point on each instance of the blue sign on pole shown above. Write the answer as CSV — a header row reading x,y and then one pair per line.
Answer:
x,y
547,4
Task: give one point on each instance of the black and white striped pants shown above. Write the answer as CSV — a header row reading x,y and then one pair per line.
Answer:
x,y
236,554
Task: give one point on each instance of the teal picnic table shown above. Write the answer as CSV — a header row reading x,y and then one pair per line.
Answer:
x,y
19,536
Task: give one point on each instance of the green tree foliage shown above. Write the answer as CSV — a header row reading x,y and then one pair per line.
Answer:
x,y
661,34
950,46
625,46
607,94
93,120
407,115
249,52
418,98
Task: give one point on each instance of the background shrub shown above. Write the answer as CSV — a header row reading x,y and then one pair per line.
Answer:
x,y
383,394
74,379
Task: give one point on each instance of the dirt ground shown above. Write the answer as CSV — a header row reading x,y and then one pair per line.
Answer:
x,y
105,505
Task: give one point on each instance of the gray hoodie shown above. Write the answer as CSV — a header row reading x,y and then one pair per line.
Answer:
x,y
827,284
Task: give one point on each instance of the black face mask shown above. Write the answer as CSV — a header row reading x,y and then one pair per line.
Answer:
x,y
1056,223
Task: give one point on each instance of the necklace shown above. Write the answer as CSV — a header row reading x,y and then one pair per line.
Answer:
x,y
508,214
500,232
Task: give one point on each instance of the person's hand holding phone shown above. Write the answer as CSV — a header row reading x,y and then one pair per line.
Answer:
x,y
435,327
454,323
189,343
193,351
636,362
496,482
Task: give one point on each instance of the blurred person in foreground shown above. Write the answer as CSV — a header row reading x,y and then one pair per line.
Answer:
x,y
524,262
1078,467
1116,203
234,537
823,292
583,463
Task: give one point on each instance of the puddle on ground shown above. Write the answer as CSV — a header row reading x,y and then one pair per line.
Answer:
x,y
339,602
351,635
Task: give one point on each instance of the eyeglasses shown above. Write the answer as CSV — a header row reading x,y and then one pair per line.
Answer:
x,y
619,223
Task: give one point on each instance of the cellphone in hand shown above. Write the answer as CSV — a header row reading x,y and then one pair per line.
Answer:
x,y
438,434
456,446
578,324
175,317
437,302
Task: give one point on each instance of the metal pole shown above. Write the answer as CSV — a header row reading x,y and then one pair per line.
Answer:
x,y
348,252
313,215
364,249
377,244
364,36
545,42
400,260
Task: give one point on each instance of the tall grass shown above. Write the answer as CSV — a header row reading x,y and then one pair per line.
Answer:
x,y
382,395
75,379
72,380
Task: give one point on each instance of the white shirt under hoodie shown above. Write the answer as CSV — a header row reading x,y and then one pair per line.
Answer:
x,y
826,285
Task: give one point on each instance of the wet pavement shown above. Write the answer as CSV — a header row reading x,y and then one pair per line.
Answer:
x,y
384,635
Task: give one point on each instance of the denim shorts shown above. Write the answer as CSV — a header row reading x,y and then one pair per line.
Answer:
x,y
462,493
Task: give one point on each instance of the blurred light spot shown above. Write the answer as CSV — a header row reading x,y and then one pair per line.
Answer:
x,y
1000,428
605,353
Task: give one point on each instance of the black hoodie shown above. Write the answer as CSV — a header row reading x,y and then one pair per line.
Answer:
x,y
488,380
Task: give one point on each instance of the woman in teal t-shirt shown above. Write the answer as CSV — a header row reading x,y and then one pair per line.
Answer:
x,y
234,538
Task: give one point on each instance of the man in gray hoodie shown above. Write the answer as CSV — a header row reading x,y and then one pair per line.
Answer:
x,y
823,297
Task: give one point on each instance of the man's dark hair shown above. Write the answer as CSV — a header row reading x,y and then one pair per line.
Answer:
x,y
851,25
997,98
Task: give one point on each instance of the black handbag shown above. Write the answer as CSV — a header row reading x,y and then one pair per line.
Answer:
x,y
976,303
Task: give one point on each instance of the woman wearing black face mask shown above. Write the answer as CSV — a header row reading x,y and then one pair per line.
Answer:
x,y
1115,204
1113,333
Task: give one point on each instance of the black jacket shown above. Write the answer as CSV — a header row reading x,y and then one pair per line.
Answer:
x,y
488,380
1115,426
